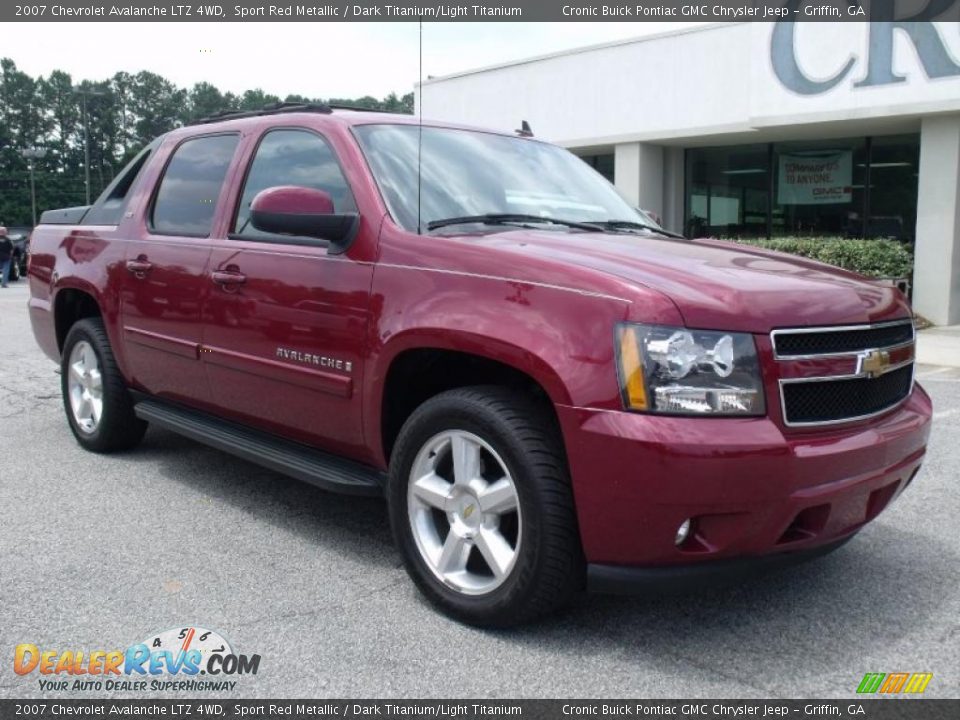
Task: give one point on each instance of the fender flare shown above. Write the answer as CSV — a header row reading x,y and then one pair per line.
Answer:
x,y
461,341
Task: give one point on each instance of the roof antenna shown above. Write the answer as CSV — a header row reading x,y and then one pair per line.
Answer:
x,y
524,130
420,132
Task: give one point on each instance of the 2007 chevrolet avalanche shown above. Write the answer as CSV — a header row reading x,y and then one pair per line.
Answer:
x,y
551,393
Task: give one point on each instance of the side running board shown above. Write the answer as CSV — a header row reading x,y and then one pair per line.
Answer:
x,y
300,461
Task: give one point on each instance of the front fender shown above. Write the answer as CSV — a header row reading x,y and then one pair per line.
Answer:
x,y
560,337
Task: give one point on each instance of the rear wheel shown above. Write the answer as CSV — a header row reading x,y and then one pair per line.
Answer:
x,y
14,269
95,397
481,507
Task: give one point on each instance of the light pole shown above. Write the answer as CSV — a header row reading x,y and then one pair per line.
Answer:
x,y
84,94
31,154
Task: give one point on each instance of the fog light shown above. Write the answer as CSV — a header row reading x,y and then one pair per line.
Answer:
x,y
683,532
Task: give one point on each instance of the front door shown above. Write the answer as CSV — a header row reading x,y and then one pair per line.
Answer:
x,y
285,320
165,272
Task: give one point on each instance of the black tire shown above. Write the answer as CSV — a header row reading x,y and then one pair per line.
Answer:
x,y
118,428
549,565
14,269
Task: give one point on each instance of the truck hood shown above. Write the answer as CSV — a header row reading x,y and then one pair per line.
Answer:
x,y
715,284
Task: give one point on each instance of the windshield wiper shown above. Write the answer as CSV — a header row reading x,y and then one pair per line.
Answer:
x,y
631,225
508,219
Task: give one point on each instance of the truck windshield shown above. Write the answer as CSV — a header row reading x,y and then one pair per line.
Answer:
x,y
467,174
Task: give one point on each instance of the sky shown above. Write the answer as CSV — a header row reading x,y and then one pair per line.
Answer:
x,y
314,59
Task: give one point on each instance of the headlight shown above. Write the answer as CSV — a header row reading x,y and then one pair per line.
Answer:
x,y
676,371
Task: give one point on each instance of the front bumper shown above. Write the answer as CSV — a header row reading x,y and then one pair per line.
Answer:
x,y
752,488
622,580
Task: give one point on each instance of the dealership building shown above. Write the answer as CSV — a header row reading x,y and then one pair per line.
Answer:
x,y
757,130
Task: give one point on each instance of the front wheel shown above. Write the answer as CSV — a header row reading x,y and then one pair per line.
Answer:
x,y
481,507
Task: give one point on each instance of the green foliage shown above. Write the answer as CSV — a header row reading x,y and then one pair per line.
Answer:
x,y
871,257
124,113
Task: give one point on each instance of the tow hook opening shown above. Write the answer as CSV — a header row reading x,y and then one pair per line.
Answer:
x,y
806,525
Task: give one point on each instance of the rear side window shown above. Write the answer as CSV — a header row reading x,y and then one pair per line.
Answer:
x,y
292,157
188,193
108,210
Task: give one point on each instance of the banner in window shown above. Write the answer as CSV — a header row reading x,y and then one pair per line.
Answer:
x,y
816,178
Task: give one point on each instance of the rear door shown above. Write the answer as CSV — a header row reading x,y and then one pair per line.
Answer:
x,y
286,318
165,271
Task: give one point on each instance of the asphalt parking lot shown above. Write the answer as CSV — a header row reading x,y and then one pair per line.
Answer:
x,y
98,552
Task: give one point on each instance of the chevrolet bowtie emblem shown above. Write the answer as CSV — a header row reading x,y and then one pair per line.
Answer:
x,y
873,363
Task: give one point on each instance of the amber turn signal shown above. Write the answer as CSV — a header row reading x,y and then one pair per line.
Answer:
x,y
631,370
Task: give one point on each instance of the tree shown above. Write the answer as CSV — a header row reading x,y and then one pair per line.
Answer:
x,y
256,99
157,105
121,84
125,112
205,100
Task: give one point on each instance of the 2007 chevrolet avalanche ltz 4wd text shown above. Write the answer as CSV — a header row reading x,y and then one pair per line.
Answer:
x,y
551,392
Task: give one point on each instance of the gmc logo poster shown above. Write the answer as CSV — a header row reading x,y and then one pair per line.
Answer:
x,y
815,178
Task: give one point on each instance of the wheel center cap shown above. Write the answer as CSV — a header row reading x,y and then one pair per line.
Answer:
x,y
466,517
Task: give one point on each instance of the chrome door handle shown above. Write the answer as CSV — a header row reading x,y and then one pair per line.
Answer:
x,y
139,267
228,277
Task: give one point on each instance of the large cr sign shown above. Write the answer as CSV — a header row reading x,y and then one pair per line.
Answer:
x,y
933,54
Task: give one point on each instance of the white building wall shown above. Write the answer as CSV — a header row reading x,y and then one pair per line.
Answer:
x,y
638,172
659,87
936,278
709,81
673,196
843,53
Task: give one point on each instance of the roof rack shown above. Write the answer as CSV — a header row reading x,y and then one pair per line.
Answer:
x,y
272,109
357,108
282,107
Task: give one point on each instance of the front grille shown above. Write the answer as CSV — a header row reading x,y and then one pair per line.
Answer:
x,y
793,343
824,401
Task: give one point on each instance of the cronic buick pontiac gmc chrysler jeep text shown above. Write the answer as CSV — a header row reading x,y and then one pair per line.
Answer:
x,y
552,393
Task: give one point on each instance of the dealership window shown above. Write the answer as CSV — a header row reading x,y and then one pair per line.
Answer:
x,y
728,191
853,187
603,164
894,176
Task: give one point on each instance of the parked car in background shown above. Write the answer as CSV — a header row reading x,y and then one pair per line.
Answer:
x,y
20,237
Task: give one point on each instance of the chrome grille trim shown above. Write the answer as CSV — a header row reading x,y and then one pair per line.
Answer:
x,y
783,382
841,328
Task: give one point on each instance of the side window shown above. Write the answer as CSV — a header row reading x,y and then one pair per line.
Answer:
x,y
109,207
191,184
291,157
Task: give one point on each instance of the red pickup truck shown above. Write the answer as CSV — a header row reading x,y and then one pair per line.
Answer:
x,y
552,393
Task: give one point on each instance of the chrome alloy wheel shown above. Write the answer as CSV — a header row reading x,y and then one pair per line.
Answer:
x,y
85,387
464,512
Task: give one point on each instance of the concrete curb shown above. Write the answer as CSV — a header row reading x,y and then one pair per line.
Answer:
x,y
939,346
